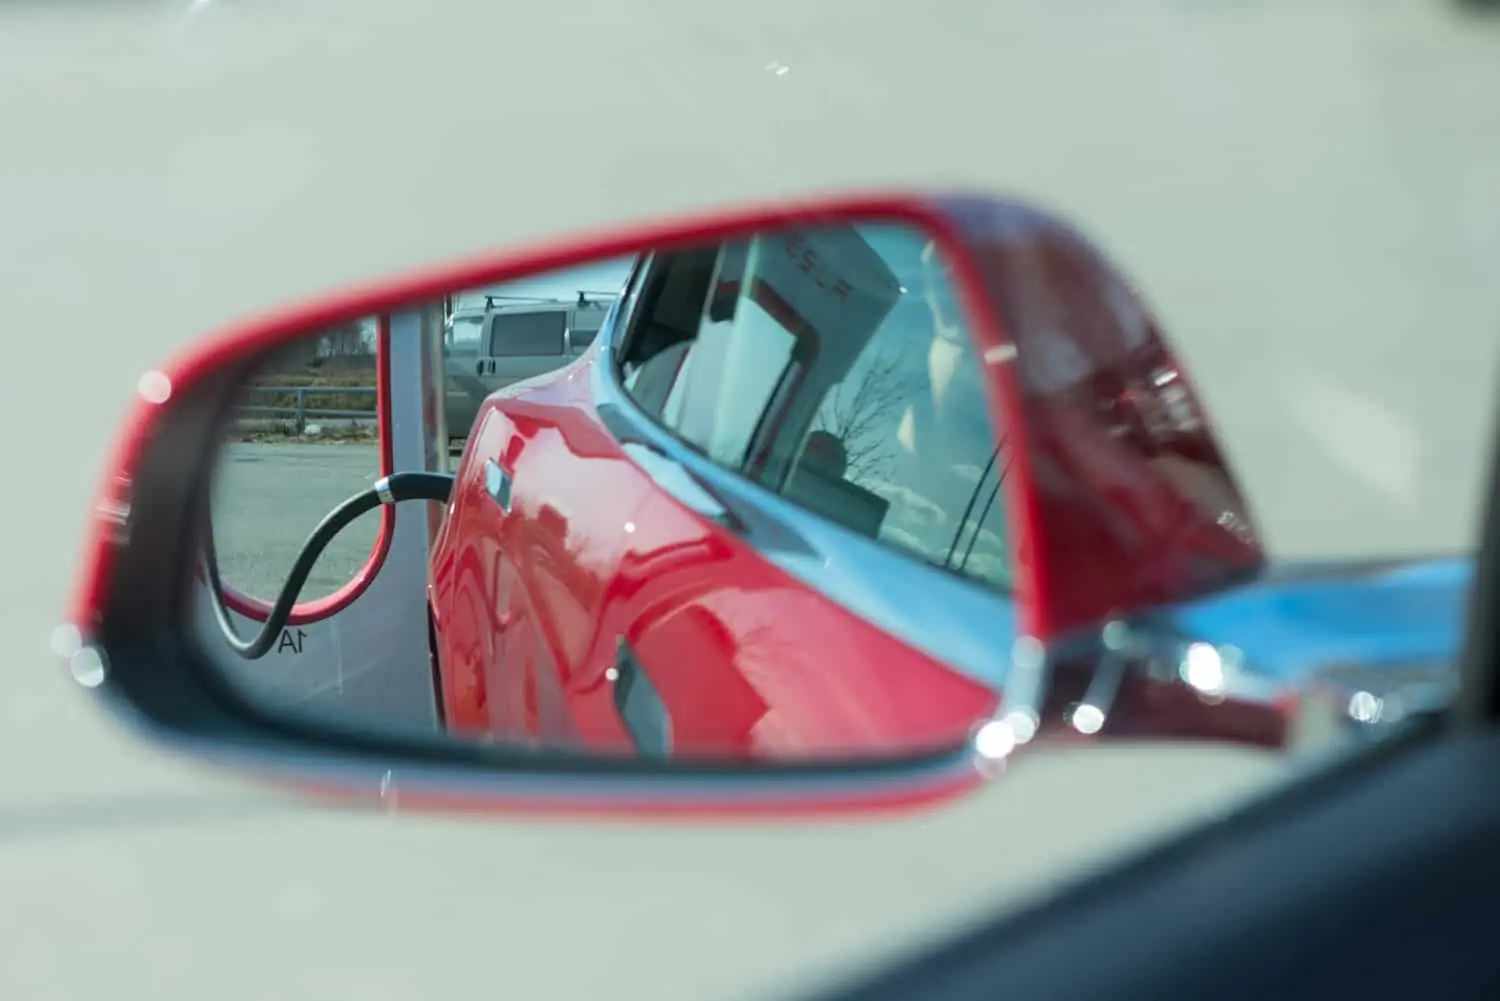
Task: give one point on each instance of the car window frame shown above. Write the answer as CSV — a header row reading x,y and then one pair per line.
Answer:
x,y
1477,702
627,319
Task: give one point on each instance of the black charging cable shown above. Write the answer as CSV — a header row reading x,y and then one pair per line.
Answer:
x,y
392,489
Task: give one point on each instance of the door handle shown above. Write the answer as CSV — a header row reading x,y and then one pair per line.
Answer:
x,y
640,705
675,478
497,483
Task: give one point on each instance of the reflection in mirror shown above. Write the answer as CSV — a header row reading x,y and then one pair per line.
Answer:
x,y
304,434
658,460
754,501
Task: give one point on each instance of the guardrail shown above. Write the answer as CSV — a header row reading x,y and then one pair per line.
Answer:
x,y
301,412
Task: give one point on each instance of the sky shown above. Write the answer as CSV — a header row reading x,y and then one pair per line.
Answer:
x,y
896,243
603,276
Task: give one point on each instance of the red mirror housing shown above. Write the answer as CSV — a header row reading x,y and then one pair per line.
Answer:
x,y
1119,498
1128,497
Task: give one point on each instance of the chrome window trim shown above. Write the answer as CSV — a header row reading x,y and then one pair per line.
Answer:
x,y
930,610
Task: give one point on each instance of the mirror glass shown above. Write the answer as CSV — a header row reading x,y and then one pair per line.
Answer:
x,y
719,501
304,435
754,501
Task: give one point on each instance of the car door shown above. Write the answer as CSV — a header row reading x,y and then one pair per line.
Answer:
x,y
524,562
784,589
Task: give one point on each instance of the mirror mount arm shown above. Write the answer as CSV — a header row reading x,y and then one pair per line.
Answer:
x,y
1117,646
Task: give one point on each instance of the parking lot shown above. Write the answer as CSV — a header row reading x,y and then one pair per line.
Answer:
x,y
268,498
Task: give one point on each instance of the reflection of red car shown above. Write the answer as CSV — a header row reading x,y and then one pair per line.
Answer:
x,y
767,514
633,557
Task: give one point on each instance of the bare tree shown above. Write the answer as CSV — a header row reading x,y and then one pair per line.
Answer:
x,y
346,345
862,412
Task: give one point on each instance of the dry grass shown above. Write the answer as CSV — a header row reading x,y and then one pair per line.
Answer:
x,y
258,426
328,398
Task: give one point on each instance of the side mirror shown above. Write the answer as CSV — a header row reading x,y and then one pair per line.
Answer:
x,y
845,503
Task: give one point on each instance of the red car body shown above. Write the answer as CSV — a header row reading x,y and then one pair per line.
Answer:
x,y
529,603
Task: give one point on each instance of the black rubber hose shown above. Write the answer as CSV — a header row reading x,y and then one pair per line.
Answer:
x,y
390,490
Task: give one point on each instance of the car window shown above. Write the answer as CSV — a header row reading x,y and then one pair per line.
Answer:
x,y
738,364
671,301
625,306
527,334
585,322
872,414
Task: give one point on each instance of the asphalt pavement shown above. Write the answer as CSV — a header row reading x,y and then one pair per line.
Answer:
x,y
268,498
1307,192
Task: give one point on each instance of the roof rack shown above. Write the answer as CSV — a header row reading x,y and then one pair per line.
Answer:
x,y
589,298
490,300
585,297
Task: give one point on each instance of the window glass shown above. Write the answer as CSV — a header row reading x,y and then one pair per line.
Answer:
x,y
586,323
528,334
672,297
833,366
738,361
